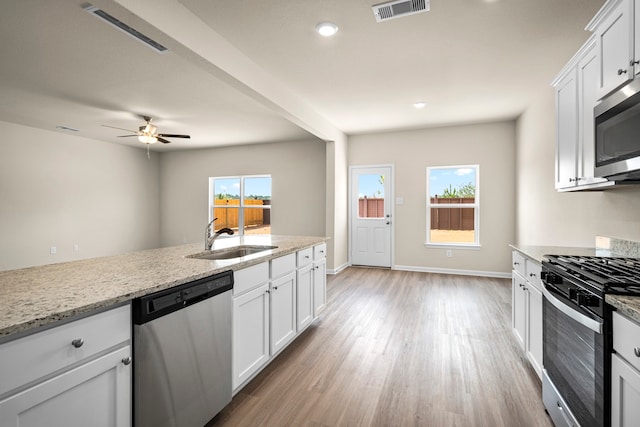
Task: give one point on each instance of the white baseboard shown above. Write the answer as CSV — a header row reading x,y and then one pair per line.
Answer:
x,y
339,269
479,273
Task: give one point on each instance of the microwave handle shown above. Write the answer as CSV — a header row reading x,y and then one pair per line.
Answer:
x,y
586,321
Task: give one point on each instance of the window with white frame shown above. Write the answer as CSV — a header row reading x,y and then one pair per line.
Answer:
x,y
242,203
453,205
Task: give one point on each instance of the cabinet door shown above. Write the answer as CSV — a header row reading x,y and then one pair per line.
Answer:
x,y
534,330
615,49
304,297
625,393
319,286
283,311
518,307
567,130
97,393
588,74
636,36
250,333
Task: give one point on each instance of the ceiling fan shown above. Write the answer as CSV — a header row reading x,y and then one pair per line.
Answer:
x,y
147,133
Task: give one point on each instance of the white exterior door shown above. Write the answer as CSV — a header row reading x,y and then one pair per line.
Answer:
x,y
371,216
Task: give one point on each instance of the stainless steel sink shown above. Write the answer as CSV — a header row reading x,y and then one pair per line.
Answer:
x,y
230,253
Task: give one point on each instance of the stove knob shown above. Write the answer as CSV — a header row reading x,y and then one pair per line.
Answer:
x,y
551,278
588,300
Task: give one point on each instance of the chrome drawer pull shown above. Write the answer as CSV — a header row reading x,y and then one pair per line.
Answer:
x,y
77,343
636,351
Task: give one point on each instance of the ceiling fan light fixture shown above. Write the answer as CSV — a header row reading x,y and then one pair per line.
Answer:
x,y
326,29
147,139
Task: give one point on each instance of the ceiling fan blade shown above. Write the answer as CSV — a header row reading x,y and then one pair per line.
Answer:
x,y
164,141
113,127
173,135
125,136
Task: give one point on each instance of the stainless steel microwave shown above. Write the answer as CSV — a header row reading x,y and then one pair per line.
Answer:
x,y
617,134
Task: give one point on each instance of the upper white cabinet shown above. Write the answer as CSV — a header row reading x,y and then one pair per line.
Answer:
x,y
625,372
576,97
46,374
615,41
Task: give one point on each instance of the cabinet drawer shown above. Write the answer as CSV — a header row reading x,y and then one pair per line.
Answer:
x,y
283,265
626,339
319,252
249,278
35,356
533,270
518,263
305,257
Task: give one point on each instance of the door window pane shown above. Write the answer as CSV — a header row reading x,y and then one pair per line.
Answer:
x,y
371,196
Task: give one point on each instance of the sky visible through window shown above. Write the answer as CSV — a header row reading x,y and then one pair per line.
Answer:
x,y
441,178
370,186
258,186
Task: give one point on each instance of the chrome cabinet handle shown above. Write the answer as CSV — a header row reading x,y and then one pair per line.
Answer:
x,y
532,274
516,263
307,256
77,343
126,360
634,62
636,351
621,71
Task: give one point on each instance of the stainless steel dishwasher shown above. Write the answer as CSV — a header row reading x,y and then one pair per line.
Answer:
x,y
182,353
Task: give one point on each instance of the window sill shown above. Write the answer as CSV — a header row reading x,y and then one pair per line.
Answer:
x,y
469,246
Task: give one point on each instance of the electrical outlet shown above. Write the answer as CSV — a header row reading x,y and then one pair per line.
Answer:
x,y
53,250
449,253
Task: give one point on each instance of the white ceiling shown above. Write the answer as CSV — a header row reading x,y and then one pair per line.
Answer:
x,y
251,71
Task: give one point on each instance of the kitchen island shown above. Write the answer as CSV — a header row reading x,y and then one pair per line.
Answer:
x,y
39,296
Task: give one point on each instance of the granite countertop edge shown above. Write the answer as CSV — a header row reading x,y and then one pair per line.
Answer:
x,y
41,296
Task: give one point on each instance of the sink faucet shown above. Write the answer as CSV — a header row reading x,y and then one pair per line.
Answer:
x,y
209,239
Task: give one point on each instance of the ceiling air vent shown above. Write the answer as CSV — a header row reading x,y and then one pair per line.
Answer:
x,y
398,8
99,13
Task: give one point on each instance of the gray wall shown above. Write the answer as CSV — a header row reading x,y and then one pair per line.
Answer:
x,y
492,146
298,184
546,217
60,190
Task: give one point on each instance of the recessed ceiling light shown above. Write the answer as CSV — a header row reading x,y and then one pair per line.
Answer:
x,y
326,29
419,104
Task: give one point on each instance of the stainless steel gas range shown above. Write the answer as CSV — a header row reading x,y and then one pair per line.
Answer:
x,y
577,334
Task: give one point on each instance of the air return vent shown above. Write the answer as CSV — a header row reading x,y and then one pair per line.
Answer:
x,y
398,8
99,13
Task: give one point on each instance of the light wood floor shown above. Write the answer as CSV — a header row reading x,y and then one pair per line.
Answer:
x,y
399,349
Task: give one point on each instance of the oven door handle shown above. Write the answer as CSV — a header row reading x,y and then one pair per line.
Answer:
x,y
586,321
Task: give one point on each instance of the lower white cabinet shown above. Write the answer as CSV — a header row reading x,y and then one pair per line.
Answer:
x,y
526,306
250,333
283,311
625,372
304,296
76,374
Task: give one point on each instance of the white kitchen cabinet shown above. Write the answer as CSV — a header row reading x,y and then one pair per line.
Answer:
x,y
250,333
76,374
319,278
625,372
526,306
576,97
304,296
614,33
283,311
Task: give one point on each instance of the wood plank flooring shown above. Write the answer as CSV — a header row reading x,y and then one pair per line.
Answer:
x,y
397,348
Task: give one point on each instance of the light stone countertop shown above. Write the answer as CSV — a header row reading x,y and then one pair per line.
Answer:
x,y
38,296
537,252
626,305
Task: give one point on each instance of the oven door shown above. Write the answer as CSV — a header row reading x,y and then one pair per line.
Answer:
x,y
574,361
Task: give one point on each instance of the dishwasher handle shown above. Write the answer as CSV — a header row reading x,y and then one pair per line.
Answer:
x,y
161,303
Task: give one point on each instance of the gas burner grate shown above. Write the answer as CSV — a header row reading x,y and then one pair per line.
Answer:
x,y
612,275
